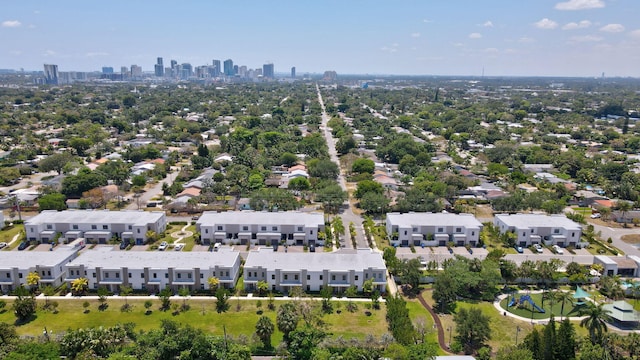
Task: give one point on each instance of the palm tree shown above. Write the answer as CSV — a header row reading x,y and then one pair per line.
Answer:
x,y
264,330
551,295
595,321
79,286
635,289
564,297
623,207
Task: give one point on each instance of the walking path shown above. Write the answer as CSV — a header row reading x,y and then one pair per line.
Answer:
x,y
437,322
505,312
183,233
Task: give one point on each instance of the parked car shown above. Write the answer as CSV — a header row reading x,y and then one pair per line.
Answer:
x,y
596,216
23,245
123,245
163,246
3,245
195,217
558,249
178,247
519,249
538,248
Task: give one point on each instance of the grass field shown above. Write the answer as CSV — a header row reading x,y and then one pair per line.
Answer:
x,y
525,309
201,315
7,234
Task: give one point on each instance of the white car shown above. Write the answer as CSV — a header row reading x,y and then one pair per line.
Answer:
x,y
596,216
558,249
538,248
178,247
3,245
163,246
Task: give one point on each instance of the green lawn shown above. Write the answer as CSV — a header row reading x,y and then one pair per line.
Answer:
x,y
524,310
71,315
7,234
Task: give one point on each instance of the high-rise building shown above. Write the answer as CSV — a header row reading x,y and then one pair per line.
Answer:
x,y
136,72
228,67
174,71
186,70
236,68
267,71
242,71
293,72
106,70
217,69
159,68
51,74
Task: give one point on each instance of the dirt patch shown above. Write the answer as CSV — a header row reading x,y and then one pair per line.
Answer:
x,y
631,238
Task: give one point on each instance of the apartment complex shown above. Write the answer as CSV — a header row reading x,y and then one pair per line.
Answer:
x,y
537,229
433,229
262,228
311,271
95,226
154,271
49,265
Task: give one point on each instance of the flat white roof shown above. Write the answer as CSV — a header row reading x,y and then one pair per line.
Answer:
x,y
433,219
341,260
96,217
523,221
261,218
27,259
108,258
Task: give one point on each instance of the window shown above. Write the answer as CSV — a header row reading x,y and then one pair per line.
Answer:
x,y
311,232
166,275
274,228
573,234
286,277
179,276
189,275
556,231
356,277
458,230
226,273
201,276
130,227
333,277
117,275
366,276
94,275
308,287
300,228
344,277
273,276
473,233
405,232
263,228
105,227
295,277
142,276
138,231
219,227
31,230
19,275
440,230
524,234
308,277
206,231
129,275
75,227
320,277
245,228
155,276
94,227
49,226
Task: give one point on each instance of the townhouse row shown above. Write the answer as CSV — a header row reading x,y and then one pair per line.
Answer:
x,y
155,271
442,229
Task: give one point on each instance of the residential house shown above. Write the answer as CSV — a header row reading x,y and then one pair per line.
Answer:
x,y
312,271
433,229
94,225
537,228
626,266
154,271
262,228
16,265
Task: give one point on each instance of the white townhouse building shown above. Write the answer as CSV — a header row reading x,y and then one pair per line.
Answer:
x,y
16,265
338,270
95,225
537,229
155,270
262,228
432,229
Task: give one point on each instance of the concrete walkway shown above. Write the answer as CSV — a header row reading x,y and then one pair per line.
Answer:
x,y
180,235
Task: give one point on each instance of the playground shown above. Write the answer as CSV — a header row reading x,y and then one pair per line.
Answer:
x,y
531,305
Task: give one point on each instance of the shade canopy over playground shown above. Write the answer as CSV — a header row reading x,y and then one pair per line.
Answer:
x,y
580,295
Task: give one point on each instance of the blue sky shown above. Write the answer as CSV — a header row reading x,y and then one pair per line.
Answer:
x,y
421,37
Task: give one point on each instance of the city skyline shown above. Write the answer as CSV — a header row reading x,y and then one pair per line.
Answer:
x,y
492,37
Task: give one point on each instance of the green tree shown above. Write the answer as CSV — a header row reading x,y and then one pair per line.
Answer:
x,y
368,186
326,295
564,297
549,340
125,291
472,328
299,184
52,201
264,330
213,282
79,286
103,294
165,299
301,343
331,197
398,320
33,280
80,145
565,341
24,306
222,300
595,321
514,353
287,319
139,180
55,162
363,166
323,169
411,273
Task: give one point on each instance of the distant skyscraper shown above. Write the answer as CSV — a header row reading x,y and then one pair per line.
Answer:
x,y
136,72
228,67
186,70
51,74
267,71
107,70
159,68
242,71
235,69
217,69
293,72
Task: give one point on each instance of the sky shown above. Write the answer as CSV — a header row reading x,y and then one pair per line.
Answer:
x,y
399,37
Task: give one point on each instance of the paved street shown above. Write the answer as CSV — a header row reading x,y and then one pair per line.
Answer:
x,y
142,200
348,216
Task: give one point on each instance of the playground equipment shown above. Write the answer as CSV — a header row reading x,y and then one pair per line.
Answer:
x,y
524,299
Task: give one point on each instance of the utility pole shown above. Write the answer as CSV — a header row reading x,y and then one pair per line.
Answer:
x,y
15,198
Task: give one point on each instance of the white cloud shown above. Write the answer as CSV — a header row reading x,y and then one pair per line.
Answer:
x,y
488,23
612,28
580,5
526,40
586,38
426,21
475,36
635,34
573,25
546,24
415,35
11,23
